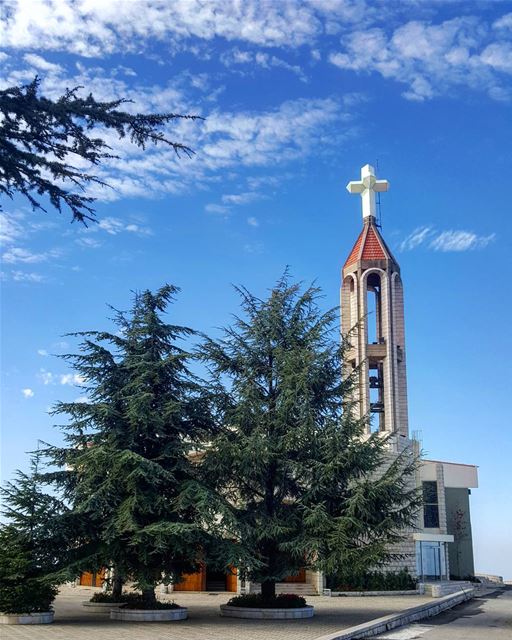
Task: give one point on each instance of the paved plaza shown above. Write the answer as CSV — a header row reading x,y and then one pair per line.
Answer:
x,y
72,622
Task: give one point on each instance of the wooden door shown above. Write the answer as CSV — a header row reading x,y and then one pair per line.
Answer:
x,y
231,580
300,577
192,581
90,579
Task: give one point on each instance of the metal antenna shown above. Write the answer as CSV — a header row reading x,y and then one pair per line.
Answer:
x,y
378,222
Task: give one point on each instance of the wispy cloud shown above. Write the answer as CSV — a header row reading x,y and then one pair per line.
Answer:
x,y
66,379
16,255
417,237
242,198
460,241
25,276
11,229
114,226
445,241
221,209
253,222
254,59
71,379
27,393
42,352
253,248
46,377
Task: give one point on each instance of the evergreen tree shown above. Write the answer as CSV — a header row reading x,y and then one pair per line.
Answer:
x,y
43,142
308,490
32,540
129,464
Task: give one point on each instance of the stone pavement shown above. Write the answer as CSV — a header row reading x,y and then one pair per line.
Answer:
x,y
72,622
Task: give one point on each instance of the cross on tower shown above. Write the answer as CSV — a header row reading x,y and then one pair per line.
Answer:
x,y
367,187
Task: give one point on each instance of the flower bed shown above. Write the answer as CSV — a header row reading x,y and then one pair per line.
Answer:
x,y
102,607
257,601
149,615
286,606
136,609
38,617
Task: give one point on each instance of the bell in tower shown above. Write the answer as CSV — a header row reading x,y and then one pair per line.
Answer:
x,y
372,308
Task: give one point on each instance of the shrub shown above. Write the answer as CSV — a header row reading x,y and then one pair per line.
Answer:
x,y
346,580
106,596
257,601
137,601
23,588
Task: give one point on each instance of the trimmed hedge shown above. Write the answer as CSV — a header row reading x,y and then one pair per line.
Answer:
x,y
371,581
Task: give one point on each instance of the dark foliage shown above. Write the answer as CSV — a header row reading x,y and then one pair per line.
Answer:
x,y
42,141
257,601
307,489
139,601
346,580
129,466
33,543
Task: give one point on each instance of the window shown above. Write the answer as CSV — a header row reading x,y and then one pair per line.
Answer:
x,y
430,505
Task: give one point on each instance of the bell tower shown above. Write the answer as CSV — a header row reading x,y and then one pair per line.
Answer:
x,y
372,308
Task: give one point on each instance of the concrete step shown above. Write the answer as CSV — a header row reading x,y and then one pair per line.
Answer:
x,y
440,589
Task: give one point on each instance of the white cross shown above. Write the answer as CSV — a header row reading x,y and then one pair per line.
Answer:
x,y
367,187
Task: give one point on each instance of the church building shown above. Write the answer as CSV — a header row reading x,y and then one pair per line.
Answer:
x,y
372,310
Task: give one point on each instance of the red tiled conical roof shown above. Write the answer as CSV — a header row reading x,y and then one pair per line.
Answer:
x,y
372,247
369,246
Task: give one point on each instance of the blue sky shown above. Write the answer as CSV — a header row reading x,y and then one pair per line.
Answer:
x,y
296,97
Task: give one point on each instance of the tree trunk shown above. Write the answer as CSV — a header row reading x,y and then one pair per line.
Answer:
x,y
268,589
117,585
149,597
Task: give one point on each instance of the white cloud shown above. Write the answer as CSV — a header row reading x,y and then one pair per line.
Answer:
x,y
71,379
253,222
252,59
83,399
24,276
253,247
505,22
27,393
42,352
40,63
89,243
429,58
19,254
66,379
94,28
414,239
11,228
445,241
225,140
460,241
46,377
241,198
216,208
113,226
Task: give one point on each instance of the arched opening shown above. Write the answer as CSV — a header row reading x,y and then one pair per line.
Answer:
x,y
376,387
374,308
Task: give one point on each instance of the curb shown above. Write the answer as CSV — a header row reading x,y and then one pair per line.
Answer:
x,y
386,623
